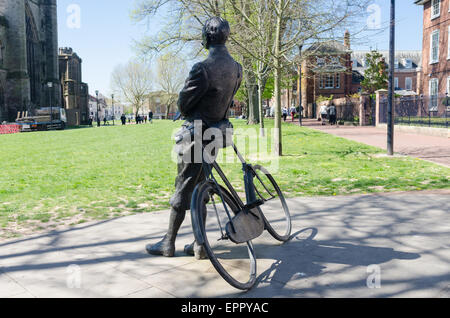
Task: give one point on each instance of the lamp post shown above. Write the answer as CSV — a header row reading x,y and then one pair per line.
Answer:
x,y
300,97
50,86
98,118
390,133
114,113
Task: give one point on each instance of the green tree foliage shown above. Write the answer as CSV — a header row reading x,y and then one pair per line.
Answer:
x,y
376,76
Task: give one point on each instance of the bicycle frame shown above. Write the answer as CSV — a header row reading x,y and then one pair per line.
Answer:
x,y
248,218
249,190
248,179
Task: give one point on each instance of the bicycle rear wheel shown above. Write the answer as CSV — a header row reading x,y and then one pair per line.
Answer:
x,y
236,263
275,210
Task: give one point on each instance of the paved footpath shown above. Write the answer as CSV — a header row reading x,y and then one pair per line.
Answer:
x,y
337,244
430,148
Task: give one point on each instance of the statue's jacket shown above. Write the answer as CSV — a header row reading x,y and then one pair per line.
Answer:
x,y
210,87
207,96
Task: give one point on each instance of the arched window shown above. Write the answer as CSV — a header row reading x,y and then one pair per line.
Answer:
x,y
32,56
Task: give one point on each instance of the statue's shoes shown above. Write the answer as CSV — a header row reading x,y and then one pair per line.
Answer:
x,y
163,248
195,250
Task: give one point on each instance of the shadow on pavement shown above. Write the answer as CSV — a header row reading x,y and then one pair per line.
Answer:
x,y
328,257
304,258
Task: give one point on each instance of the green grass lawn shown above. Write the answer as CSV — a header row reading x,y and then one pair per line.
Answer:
x,y
437,122
52,179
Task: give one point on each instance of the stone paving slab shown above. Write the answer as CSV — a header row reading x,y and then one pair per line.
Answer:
x,y
337,243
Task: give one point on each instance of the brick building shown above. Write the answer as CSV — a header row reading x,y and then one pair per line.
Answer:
x,y
327,71
436,51
99,107
407,68
157,103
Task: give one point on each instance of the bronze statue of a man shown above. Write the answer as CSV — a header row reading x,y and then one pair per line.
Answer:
x,y
207,96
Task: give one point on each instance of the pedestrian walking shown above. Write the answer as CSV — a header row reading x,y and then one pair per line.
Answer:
x,y
293,111
285,113
332,114
150,117
323,114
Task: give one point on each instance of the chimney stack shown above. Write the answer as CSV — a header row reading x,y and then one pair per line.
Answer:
x,y
347,39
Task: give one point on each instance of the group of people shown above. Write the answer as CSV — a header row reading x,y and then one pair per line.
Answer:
x,y
292,111
139,119
91,121
328,113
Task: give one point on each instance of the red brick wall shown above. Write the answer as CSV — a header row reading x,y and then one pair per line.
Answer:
x,y
439,70
402,79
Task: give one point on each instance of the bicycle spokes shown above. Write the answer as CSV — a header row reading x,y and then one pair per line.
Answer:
x,y
223,235
266,188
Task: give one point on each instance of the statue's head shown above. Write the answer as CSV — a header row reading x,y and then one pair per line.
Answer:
x,y
215,32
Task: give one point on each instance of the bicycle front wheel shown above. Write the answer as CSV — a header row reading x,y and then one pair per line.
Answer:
x,y
275,210
236,263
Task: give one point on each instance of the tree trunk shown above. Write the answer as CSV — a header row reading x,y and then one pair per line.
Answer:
x,y
252,92
253,109
260,104
168,111
277,140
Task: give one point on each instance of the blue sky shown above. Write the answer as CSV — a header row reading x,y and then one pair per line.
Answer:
x,y
104,38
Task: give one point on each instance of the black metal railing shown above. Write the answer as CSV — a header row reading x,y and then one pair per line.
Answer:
x,y
422,111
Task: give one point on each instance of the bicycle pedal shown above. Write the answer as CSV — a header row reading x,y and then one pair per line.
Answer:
x,y
223,238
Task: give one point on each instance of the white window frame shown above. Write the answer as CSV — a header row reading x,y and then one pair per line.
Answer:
x,y
448,91
435,4
329,79
396,85
448,85
433,34
410,81
338,80
448,43
434,96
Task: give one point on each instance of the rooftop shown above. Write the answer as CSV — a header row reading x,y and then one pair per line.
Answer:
x,y
406,60
329,47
